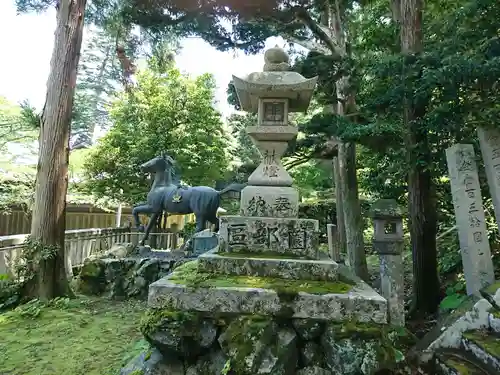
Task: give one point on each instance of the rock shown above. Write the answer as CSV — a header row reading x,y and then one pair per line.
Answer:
x,y
308,329
355,350
313,370
124,277
182,334
119,250
210,364
149,270
258,346
311,354
153,363
91,280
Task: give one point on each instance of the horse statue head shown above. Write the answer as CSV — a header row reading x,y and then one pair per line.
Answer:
x,y
158,164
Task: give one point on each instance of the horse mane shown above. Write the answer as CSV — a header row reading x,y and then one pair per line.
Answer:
x,y
175,176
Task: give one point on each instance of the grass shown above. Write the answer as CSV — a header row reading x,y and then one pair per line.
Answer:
x,y
72,337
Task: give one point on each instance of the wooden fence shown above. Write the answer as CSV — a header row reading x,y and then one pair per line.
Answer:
x,y
81,243
80,216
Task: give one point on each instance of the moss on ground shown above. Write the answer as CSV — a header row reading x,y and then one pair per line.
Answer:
x,y
188,275
88,336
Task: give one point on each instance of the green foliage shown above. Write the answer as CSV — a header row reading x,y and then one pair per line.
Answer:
x,y
168,113
32,253
10,294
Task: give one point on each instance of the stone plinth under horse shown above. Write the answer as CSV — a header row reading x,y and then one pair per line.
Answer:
x,y
175,199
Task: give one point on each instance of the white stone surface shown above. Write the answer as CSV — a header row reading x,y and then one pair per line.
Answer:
x,y
476,318
270,171
362,303
269,201
469,215
489,141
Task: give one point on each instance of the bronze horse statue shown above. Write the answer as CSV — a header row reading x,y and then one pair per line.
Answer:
x,y
165,195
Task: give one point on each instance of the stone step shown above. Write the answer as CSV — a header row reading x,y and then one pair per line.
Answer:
x,y
456,362
485,346
189,289
267,265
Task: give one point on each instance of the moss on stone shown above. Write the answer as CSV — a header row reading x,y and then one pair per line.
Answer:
x,y
463,368
487,341
492,288
137,372
391,341
154,318
188,275
263,255
241,336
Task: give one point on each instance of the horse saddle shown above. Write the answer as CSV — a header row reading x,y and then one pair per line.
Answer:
x,y
176,197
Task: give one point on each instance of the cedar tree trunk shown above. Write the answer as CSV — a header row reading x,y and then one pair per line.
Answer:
x,y
48,223
421,194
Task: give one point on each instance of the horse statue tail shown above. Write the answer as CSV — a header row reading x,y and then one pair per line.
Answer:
x,y
234,187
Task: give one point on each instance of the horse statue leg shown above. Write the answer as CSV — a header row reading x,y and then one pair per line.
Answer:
x,y
144,209
200,223
153,220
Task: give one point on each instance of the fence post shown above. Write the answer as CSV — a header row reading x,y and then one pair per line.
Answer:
x,y
388,242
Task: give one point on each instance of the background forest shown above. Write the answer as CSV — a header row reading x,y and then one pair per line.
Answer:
x,y
395,90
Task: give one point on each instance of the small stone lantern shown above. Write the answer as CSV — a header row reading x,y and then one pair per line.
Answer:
x,y
388,242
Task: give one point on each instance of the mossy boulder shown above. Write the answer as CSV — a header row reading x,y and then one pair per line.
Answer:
x,y
183,334
153,363
211,363
311,354
259,346
308,329
122,278
314,370
358,348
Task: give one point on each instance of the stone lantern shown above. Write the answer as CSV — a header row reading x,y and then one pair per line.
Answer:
x,y
388,242
272,94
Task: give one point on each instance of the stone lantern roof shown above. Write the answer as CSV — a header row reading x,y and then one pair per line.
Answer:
x,y
277,82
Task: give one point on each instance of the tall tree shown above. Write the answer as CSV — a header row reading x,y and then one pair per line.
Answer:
x,y
98,80
164,112
422,200
45,252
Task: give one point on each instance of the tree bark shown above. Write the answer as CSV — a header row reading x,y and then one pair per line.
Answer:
x,y
421,194
48,223
352,211
339,206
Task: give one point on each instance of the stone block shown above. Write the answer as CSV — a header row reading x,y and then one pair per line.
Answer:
x,y
296,237
295,269
204,241
360,303
271,201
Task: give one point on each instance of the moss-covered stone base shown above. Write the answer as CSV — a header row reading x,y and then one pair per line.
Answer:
x,y
214,344
189,289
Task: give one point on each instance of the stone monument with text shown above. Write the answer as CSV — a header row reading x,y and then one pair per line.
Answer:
x,y
268,245
470,219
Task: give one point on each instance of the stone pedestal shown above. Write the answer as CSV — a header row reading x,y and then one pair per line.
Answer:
x,y
469,215
271,201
